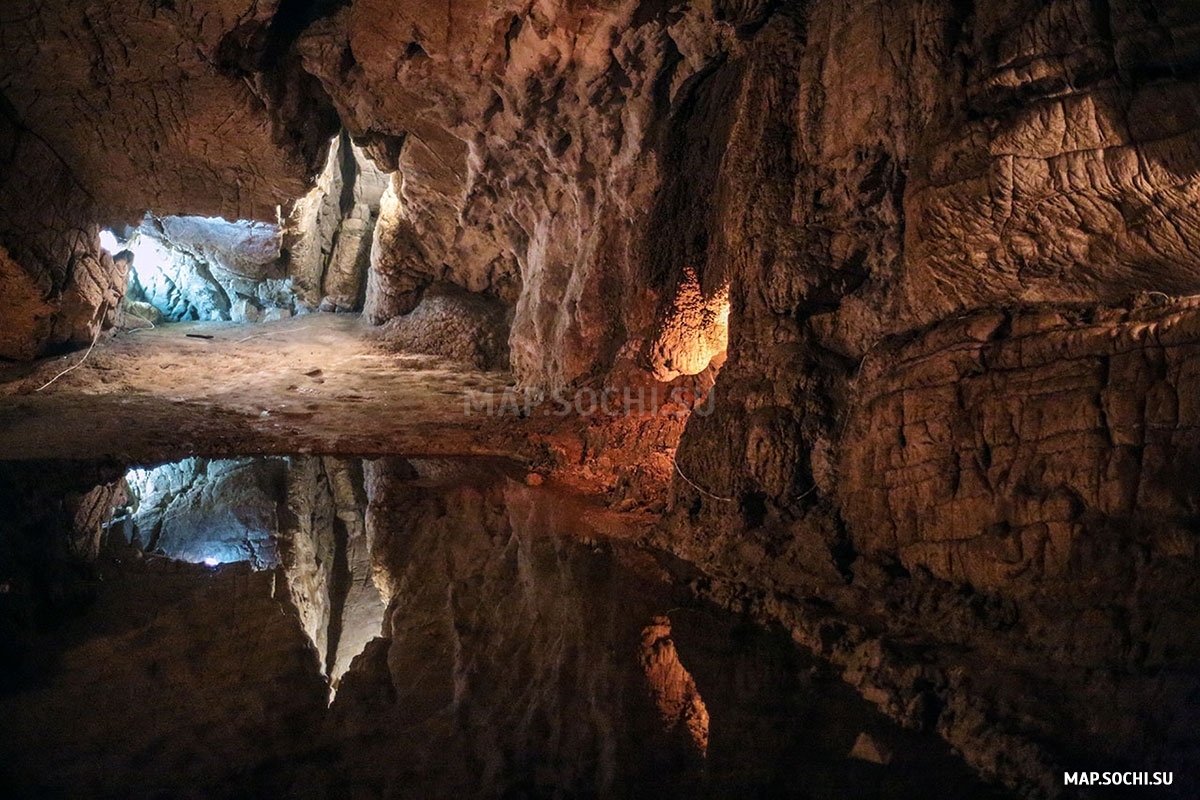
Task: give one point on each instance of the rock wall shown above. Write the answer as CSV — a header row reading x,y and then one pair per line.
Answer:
x,y
57,286
113,108
531,144
179,107
329,233
191,267
209,511
197,268
954,407
325,550
469,328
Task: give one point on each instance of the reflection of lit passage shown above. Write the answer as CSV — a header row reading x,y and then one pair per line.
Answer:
x,y
207,511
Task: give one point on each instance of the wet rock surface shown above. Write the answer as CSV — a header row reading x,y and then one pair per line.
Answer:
x,y
179,679
946,241
528,647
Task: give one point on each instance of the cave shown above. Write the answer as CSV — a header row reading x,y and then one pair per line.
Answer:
x,y
715,399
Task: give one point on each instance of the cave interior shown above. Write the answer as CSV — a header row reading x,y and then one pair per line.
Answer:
x,y
547,399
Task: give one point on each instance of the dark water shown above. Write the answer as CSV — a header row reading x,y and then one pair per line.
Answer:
x,y
485,638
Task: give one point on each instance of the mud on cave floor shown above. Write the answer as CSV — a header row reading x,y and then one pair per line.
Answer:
x,y
317,383
523,645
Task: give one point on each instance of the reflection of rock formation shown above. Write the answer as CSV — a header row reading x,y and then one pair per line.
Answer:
x,y
522,654
325,554
92,515
303,513
510,658
184,682
208,511
682,712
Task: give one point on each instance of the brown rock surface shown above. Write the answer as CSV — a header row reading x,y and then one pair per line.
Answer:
x,y
527,139
951,441
466,328
180,679
57,287
525,650
166,106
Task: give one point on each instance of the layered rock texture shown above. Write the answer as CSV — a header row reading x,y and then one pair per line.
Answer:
x,y
941,253
329,233
196,268
200,268
114,108
206,511
57,287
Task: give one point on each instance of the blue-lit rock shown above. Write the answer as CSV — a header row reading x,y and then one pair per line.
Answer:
x,y
208,512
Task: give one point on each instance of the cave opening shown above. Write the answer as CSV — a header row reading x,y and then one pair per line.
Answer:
x,y
692,399
421,596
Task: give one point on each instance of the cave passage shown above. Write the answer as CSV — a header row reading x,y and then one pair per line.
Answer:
x,y
484,636
182,269
321,382
872,329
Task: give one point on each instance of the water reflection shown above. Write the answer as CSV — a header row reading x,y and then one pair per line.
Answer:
x,y
486,639
302,514
205,511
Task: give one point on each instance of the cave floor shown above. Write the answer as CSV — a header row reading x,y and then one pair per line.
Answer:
x,y
315,383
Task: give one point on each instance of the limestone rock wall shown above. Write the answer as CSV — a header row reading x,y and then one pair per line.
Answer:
x,y
199,268
944,241
189,107
208,511
325,551
990,450
955,405
329,233
57,286
532,144
110,109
